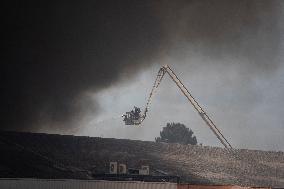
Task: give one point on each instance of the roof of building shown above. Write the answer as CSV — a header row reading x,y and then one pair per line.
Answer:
x,y
31,155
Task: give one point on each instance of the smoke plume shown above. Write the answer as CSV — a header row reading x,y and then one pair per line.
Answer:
x,y
57,54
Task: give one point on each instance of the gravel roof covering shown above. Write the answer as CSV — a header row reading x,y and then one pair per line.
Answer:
x,y
30,155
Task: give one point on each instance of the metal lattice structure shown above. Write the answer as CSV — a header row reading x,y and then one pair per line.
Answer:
x,y
136,118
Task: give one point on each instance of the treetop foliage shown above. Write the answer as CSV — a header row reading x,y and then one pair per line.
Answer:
x,y
176,133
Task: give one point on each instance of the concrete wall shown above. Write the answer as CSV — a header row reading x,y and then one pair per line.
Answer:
x,y
95,184
189,186
80,184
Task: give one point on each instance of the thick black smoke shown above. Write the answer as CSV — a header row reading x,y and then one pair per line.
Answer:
x,y
58,53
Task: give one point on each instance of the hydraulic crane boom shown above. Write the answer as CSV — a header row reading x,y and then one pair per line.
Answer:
x,y
135,118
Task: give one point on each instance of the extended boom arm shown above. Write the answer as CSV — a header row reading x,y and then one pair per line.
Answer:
x,y
134,117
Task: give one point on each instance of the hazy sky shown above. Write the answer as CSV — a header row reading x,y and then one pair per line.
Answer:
x,y
76,68
248,109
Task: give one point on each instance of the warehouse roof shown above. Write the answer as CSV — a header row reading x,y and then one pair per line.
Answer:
x,y
31,155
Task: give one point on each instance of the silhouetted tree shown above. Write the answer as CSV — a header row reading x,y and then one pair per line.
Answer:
x,y
177,133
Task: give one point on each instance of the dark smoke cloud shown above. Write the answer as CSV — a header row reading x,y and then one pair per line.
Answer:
x,y
238,29
58,53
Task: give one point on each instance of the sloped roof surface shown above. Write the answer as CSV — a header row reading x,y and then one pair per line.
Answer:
x,y
63,156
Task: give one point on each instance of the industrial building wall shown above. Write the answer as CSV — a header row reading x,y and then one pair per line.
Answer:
x,y
95,184
190,186
81,184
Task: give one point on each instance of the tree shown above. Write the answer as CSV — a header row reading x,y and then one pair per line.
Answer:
x,y
177,133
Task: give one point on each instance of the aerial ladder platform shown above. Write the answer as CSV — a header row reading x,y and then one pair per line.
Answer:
x,y
136,117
